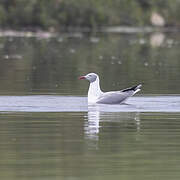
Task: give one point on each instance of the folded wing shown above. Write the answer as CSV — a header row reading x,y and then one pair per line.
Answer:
x,y
117,97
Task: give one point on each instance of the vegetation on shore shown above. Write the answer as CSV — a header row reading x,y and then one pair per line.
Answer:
x,y
58,15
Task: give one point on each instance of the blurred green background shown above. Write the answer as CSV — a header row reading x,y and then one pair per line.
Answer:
x,y
59,15
52,65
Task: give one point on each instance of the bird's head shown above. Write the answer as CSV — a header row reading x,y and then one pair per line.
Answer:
x,y
91,77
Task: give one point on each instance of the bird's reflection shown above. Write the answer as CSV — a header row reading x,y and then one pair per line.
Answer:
x,y
98,114
92,122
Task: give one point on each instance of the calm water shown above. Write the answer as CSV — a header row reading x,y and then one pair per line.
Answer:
x,y
47,130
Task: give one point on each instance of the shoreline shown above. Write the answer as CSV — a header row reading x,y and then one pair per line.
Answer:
x,y
78,32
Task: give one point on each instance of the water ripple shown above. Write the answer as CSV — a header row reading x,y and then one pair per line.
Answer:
x,y
55,103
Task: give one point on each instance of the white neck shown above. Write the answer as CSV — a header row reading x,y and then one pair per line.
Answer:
x,y
94,91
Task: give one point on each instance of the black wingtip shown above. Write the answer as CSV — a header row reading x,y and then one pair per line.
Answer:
x,y
134,88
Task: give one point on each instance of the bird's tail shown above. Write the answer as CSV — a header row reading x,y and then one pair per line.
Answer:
x,y
137,88
134,88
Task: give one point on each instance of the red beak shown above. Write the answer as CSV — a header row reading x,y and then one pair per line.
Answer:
x,y
82,77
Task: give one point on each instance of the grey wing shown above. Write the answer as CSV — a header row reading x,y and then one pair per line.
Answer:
x,y
114,97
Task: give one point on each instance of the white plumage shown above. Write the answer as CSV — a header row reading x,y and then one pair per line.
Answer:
x,y
95,95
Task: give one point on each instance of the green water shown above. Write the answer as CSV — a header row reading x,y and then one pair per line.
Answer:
x,y
88,144
32,65
59,146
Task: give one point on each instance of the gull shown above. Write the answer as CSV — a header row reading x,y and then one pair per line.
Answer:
x,y
95,95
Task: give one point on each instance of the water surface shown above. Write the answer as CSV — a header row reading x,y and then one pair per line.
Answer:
x,y
55,103
47,129
89,145
53,65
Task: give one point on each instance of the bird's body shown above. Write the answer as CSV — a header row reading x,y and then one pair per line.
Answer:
x,y
95,95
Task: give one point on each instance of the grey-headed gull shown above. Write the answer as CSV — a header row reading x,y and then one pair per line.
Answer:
x,y
95,95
